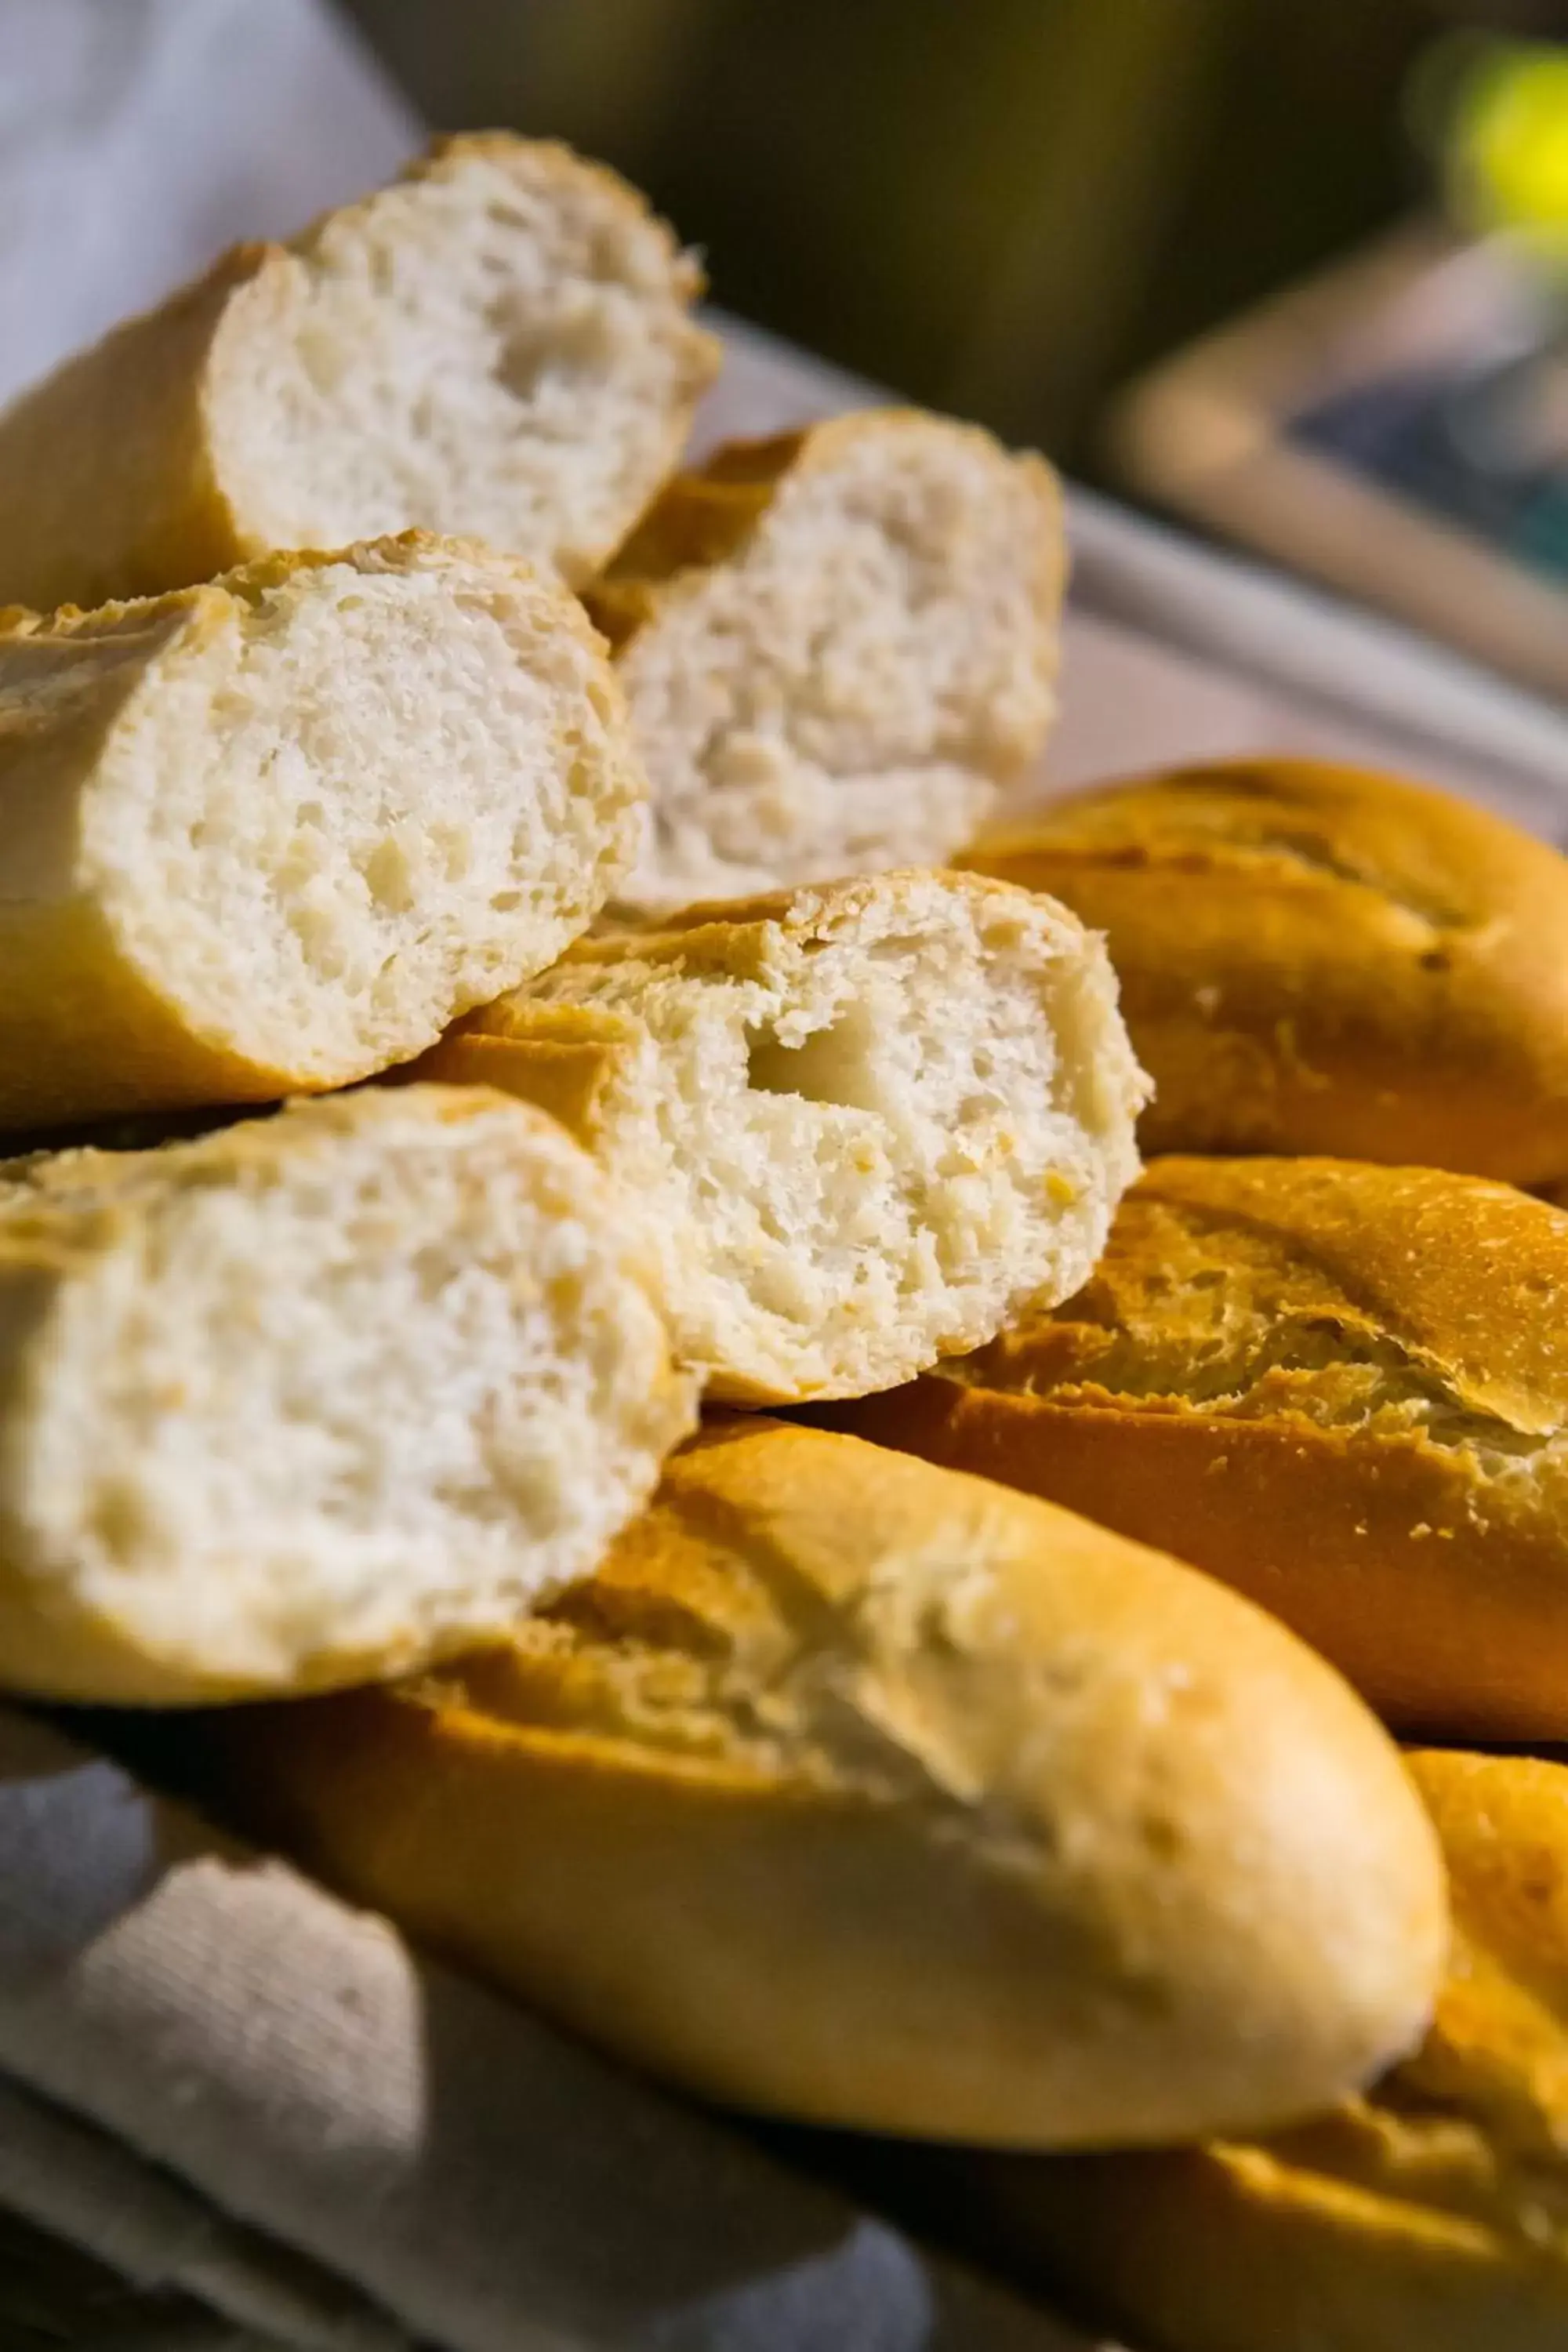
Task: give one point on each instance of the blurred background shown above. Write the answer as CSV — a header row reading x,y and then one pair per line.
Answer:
x,y
1293,270
1006,207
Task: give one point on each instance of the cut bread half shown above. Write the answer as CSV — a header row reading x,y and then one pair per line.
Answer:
x,y
274,832
315,1398
497,346
859,1125
837,647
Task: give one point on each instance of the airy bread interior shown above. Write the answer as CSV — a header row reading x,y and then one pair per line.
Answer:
x,y
328,1393
864,1130
846,688
498,346
348,797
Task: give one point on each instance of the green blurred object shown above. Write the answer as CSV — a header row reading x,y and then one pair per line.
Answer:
x,y
1495,114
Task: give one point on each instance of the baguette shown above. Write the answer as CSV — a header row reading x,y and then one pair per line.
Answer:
x,y
274,832
1432,2214
857,1126
837,647
314,1398
1343,1388
852,1790
498,346
1317,960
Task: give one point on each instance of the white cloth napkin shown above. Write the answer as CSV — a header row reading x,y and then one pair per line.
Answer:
x,y
217,2078
138,138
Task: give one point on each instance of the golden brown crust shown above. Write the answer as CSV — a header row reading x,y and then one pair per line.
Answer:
x,y
1314,958
1431,2214
981,1824
106,482
699,519
1343,1388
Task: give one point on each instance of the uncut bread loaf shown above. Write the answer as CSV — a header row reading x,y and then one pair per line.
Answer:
x,y
858,1125
1432,2214
497,346
838,645
314,1398
1315,960
273,833
1342,1388
853,1790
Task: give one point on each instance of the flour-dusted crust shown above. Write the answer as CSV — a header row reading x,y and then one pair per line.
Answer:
x,y
1342,1388
1432,2212
851,1790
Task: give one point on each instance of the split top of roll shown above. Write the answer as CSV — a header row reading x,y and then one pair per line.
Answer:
x,y
859,1791
839,646
313,1398
860,1125
498,346
1342,1388
274,832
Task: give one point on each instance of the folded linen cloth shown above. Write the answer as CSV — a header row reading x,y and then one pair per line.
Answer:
x,y
373,2143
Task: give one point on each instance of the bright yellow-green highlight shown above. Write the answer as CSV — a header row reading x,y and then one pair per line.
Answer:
x,y
1511,142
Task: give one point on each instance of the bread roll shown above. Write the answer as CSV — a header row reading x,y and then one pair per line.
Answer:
x,y
1315,960
315,1398
273,833
1342,1388
1431,2215
853,1790
498,346
836,646
858,1125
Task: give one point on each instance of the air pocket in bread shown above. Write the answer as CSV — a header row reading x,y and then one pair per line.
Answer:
x,y
850,1790
860,1125
273,833
837,647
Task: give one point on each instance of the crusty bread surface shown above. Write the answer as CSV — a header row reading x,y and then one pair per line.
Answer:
x,y
1342,1388
1429,2216
854,1791
274,832
839,646
858,1125
314,1398
1316,960
497,346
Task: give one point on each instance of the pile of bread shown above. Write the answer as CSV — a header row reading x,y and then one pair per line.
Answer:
x,y
501,956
